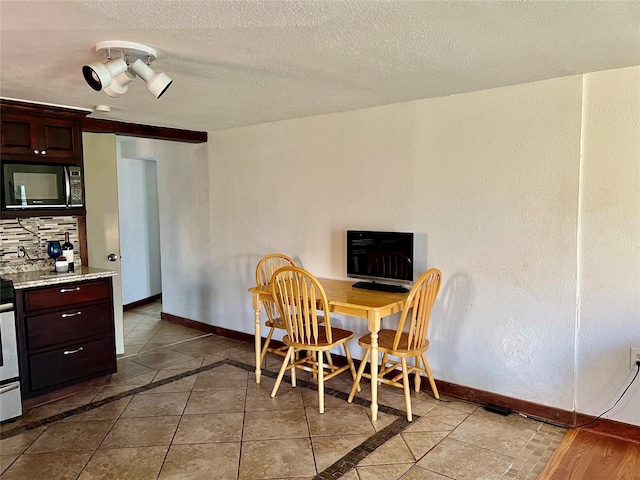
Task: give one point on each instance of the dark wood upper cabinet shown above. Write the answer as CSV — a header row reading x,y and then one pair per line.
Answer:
x,y
61,138
43,134
16,134
33,136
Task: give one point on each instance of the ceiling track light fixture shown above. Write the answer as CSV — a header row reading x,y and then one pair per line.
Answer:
x,y
114,76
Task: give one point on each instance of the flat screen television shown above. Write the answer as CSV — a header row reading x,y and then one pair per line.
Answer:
x,y
380,257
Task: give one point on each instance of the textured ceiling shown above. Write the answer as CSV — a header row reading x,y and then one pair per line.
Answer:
x,y
245,62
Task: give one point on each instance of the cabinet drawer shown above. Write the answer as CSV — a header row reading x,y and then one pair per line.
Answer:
x,y
68,325
66,294
76,362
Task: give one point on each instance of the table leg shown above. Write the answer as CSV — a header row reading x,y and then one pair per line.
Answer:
x,y
374,375
374,327
257,306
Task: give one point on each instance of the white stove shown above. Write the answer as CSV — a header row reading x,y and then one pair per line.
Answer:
x,y
10,400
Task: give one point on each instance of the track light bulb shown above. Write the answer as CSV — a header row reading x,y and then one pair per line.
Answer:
x,y
157,83
100,75
120,84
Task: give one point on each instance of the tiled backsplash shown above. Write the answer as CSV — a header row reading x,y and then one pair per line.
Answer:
x,y
23,242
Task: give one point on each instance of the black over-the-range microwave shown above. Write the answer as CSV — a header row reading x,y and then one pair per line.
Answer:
x,y
28,185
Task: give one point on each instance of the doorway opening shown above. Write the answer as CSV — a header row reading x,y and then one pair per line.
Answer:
x,y
139,222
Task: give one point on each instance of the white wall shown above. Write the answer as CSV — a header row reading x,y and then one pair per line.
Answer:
x,y
490,183
609,249
139,228
186,246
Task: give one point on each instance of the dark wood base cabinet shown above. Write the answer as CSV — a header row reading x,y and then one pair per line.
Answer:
x,y
65,335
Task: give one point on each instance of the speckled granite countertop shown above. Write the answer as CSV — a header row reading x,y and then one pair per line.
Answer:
x,y
42,278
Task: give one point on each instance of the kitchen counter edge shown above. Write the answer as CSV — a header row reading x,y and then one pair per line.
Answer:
x,y
43,278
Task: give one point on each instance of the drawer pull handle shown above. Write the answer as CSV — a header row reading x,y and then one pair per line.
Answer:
x,y
8,388
65,315
71,352
65,290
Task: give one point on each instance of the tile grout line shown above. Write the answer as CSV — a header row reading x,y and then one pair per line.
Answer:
x,y
142,351
148,341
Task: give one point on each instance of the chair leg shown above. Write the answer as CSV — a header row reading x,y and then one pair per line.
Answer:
x,y
263,353
356,382
294,358
351,366
405,384
416,379
384,361
329,359
320,383
285,362
432,382
315,359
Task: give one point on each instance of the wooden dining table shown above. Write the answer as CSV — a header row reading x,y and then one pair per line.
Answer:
x,y
343,299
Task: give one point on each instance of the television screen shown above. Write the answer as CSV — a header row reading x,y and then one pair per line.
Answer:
x,y
380,255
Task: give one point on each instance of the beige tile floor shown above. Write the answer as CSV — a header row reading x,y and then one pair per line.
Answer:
x,y
186,406
144,331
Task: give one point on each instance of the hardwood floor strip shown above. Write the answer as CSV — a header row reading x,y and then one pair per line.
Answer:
x,y
622,460
558,456
584,455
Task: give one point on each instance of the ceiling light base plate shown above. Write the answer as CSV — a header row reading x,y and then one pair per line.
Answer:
x,y
131,49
